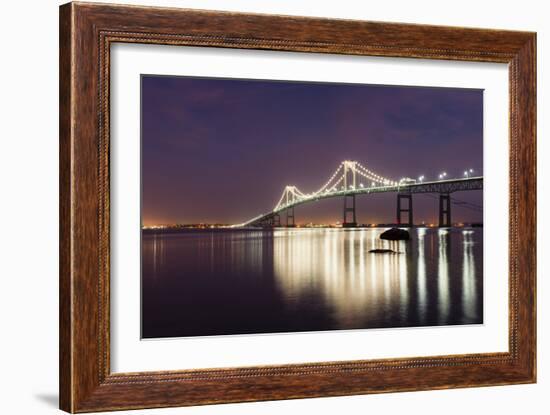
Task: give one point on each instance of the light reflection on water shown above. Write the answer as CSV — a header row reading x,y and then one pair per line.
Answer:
x,y
230,282
422,288
469,286
341,275
443,276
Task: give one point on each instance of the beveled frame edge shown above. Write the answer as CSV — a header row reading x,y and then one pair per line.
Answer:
x,y
86,33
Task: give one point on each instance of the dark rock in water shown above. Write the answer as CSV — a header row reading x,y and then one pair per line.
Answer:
x,y
383,251
395,234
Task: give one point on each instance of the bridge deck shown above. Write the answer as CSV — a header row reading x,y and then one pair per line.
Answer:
x,y
440,186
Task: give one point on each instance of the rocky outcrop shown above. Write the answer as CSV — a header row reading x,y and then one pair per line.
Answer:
x,y
383,251
395,234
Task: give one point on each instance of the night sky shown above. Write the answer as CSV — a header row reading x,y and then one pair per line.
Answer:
x,y
222,150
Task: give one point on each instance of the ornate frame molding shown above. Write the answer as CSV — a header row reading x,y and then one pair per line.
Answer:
x,y
86,33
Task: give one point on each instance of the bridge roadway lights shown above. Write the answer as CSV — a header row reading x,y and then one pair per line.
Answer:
x,y
349,208
408,209
290,217
444,210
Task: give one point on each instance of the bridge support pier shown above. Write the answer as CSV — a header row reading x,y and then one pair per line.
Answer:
x,y
349,208
408,209
444,210
290,217
276,221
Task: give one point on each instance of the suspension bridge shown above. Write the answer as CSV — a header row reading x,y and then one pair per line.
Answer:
x,y
351,179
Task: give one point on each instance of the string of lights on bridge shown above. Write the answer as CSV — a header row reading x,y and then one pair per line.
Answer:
x,y
345,178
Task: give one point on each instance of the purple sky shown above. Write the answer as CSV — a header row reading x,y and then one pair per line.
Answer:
x,y
222,150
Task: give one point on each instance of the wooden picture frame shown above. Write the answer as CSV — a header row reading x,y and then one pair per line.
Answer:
x,y
86,33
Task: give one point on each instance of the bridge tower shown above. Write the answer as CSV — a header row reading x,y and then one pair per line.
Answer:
x,y
350,174
276,220
350,181
290,196
290,217
408,209
349,207
444,210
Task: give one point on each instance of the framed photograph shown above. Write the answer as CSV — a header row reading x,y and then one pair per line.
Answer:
x,y
259,207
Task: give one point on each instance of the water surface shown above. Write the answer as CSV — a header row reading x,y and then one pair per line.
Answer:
x,y
214,282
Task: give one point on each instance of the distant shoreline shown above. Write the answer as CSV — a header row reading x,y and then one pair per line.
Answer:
x,y
206,228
